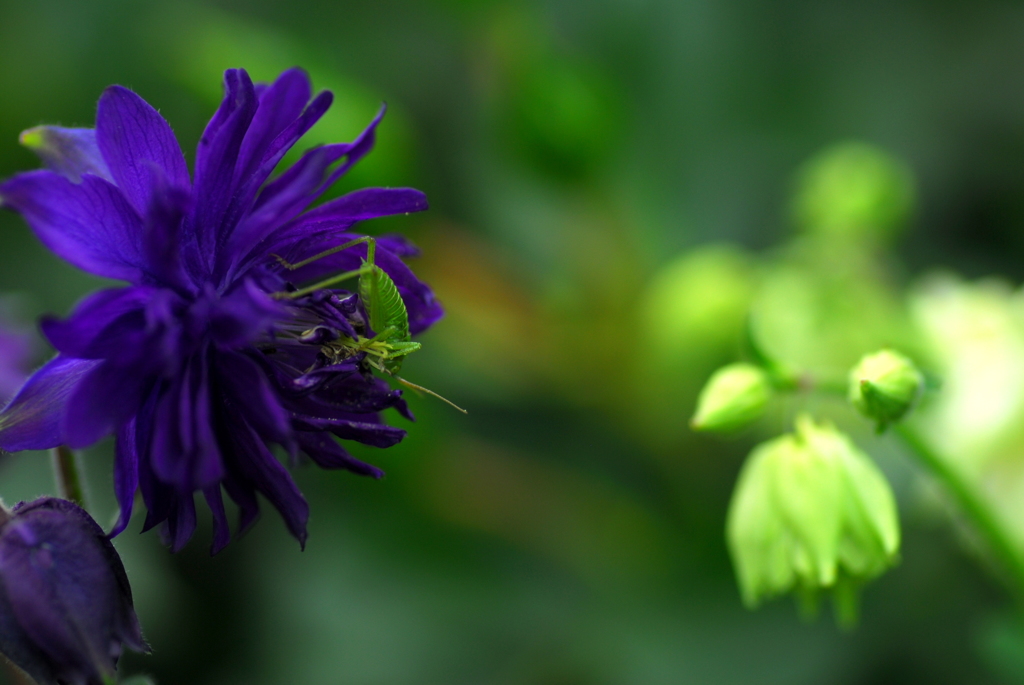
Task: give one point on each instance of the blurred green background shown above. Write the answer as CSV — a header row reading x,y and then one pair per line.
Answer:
x,y
614,185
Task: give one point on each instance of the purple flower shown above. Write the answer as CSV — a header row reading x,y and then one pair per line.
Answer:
x,y
15,353
205,360
65,604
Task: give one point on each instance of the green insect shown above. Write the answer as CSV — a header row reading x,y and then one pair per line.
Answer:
x,y
389,318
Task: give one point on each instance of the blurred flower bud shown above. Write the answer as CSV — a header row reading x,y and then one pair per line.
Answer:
x,y
65,604
855,190
695,306
733,397
810,512
884,386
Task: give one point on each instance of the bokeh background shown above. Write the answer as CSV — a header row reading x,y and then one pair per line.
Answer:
x,y
614,186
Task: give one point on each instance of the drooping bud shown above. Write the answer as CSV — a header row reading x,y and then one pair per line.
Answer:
x,y
65,604
884,386
733,397
810,512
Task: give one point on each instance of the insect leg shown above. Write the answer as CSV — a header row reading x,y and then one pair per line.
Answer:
x,y
371,251
371,245
322,284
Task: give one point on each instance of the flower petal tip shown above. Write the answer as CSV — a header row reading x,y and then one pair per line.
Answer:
x,y
32,138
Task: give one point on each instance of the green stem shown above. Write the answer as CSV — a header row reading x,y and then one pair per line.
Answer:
x,y
974,506
68,474
839,387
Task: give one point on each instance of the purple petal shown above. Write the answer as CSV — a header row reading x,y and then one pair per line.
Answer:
x,y
287,196
168,328
71,152
361,146
243,495
367,203
243,315
328,454
252,459
288,136
87,333
159,497
126,475
357,395
279,105
366,432
180,524
221,531
398,245
228,106
163,232
134,138
311,381
324,158
32,420
217,156
247,191
247,384
184,451
284,198
90,224
325,223
103,402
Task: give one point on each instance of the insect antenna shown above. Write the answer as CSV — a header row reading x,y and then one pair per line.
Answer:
x,y
420,388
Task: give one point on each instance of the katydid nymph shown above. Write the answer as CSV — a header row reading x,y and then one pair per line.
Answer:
x,y
388,317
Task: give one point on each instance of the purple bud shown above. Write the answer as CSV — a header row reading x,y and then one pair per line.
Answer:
x,y
65,604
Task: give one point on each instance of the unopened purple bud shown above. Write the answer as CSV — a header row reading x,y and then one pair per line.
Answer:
x,y
65,604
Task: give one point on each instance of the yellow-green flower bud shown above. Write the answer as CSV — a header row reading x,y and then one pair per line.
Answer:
x,y
853,190
733,397
810,512
884,386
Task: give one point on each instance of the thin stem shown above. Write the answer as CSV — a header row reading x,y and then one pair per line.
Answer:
x,y
974,506
831,386
67,473
15,675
